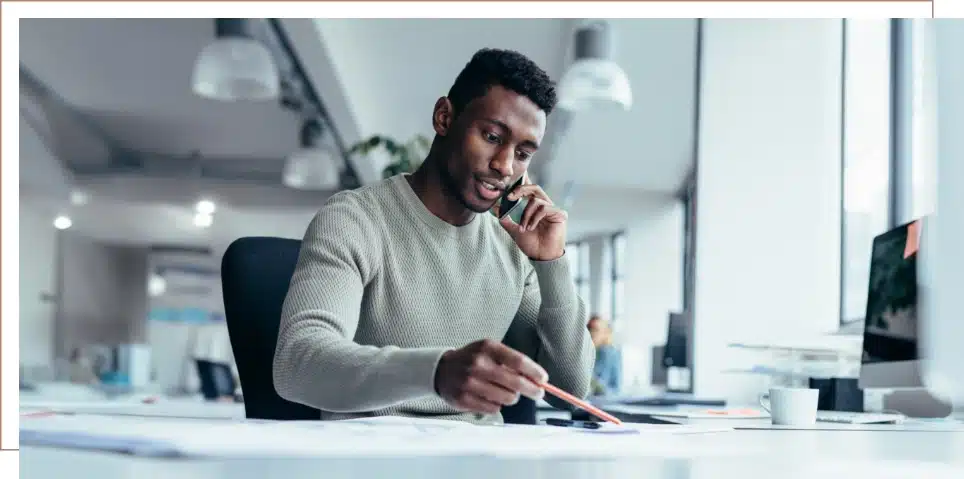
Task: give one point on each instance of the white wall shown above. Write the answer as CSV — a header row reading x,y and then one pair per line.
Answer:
x,y
654,270
38,285
41,175
768,224
654,287
103,297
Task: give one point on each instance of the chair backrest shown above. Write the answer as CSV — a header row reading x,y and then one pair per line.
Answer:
x,y
255,275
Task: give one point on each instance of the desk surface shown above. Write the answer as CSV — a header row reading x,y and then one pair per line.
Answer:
x,y
796,454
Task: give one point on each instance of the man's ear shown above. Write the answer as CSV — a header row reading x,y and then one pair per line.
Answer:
x,y
442,116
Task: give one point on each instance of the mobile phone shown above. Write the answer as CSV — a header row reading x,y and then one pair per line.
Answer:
x,y
507,206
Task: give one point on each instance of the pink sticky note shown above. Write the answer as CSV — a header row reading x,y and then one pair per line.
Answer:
x,y
913,239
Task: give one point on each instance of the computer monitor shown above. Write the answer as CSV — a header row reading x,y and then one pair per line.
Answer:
x,y
890,359
675,352
942,265
216,379
677,356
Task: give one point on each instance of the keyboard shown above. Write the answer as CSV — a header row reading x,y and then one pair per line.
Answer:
x,y
841,417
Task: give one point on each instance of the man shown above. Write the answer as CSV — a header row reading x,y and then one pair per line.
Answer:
x,y
608,366
405,288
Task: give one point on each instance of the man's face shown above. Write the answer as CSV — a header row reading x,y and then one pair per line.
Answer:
x,y
490,145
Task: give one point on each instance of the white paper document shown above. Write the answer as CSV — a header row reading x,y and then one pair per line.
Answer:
x,y
167,437
176,408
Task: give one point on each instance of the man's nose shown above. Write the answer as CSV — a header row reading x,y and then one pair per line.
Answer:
x,y
502,162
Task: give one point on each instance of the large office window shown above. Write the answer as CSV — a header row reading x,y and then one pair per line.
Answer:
x,y
917,161
867,154
578,253
618,249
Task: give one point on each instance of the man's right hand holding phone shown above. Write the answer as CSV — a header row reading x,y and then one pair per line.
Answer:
x,y
486,375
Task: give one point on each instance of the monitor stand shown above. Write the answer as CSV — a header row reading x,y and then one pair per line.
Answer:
x,y
916,403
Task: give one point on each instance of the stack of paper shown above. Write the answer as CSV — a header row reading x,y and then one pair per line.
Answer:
x,y
371,437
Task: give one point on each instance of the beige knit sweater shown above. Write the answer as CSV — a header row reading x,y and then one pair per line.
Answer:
x,y
383,287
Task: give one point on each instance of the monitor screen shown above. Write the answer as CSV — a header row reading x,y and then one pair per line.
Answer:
x,y
890,328
677,335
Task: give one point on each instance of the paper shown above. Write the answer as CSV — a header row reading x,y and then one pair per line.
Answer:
x,y
693,413
167,437
193,409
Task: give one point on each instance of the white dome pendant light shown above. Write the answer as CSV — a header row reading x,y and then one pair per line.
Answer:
x,y
314,166
236,67
594,78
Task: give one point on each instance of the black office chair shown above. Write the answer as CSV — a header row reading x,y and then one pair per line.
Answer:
x,y
255,274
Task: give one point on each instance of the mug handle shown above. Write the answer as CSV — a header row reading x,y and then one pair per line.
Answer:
x,y
760,400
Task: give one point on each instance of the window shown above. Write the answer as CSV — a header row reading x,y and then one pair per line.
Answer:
x,y
579,267
917,191
618,250
866,154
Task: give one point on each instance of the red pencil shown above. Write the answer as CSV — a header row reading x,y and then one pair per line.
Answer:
x,y
569,398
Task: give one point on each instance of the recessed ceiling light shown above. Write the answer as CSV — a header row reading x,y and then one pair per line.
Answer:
x,y
156,285
202,220
62,222
205,207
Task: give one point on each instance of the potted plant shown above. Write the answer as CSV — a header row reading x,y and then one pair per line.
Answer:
x,y
406,157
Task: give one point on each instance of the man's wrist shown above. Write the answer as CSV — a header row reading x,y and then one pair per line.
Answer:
x,y
439,370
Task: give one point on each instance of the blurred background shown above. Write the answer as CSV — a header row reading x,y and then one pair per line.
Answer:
x,y
731,173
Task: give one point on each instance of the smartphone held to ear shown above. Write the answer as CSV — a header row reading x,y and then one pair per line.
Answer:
x,y
512,208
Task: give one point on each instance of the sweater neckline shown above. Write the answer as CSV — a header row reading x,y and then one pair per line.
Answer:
x,y
420,212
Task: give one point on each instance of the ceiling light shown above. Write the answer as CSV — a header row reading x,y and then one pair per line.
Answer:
x,y
594,79
202,220
313,167
62,222
156,285
205,207
235,66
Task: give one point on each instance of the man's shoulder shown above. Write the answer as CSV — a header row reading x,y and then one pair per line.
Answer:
x,y
365,200
350,215
371,192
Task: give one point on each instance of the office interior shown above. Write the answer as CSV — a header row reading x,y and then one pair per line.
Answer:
x,y
740,191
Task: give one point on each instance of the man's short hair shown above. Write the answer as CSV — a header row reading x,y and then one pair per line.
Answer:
x,y
509,69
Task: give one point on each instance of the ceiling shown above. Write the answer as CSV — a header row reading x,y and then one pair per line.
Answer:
x,y
128,80
132,78
393,70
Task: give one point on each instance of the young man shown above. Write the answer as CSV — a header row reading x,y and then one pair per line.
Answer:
x,y
404,289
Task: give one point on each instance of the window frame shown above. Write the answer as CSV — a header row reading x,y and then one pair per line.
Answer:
x,y
894,173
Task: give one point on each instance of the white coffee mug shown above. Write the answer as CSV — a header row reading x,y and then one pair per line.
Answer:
x,y
791,406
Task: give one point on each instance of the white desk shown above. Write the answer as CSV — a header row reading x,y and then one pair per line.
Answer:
x,y
163,407
795,454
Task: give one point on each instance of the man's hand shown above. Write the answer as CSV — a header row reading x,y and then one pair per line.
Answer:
x,y
541,234
486,375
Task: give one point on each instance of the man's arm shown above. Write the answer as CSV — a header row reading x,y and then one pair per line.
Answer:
x,y
316,361
552,322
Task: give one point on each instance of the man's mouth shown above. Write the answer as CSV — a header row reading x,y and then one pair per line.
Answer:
x,y
490,189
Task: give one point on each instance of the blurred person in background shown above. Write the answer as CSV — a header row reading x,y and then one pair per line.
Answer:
x,y
608,367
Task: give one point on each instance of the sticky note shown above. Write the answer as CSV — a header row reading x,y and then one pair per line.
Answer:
x,y
913,239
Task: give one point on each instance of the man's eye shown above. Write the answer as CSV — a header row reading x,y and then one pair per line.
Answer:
x,y
491,137
524,155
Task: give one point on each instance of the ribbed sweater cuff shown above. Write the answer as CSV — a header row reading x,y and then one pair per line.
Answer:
x,y
555,283
418,368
